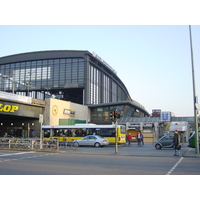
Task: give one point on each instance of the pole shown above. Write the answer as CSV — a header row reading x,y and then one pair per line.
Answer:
x,y
116,136
41,120
28,130
13,83
194,97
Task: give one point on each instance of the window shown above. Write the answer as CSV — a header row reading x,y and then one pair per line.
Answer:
x,y
94,85
114,92
92,138
106,88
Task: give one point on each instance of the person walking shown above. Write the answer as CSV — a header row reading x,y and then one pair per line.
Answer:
x,y
129,138
176,142
142,139
139,137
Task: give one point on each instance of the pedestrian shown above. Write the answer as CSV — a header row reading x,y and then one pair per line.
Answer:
x,y
129,138
139,136
142,137
176,142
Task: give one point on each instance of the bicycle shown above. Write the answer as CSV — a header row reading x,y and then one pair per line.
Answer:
x,y
4,143
49,144
69,142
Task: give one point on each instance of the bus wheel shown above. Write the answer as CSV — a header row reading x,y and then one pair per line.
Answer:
x,y
97,144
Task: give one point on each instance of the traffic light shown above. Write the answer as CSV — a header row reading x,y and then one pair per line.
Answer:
x,y
116,115
111,116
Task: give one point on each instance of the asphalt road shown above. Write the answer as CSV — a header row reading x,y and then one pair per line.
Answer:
x,y
130,160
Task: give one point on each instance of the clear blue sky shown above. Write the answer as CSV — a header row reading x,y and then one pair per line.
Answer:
x,y
154,62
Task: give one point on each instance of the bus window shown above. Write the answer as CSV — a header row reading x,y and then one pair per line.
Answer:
x,y
107,132
123,129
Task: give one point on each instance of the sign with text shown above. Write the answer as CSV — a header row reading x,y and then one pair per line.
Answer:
x,y
165,116
69,112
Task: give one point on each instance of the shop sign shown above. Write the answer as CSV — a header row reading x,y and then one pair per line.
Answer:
x,y
69,112
8,108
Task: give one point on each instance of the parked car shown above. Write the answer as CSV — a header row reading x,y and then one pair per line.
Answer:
x,y
93,140
165,142
192,139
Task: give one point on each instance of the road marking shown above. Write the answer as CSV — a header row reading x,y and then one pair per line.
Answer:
x,y
12,154
23,158
174,167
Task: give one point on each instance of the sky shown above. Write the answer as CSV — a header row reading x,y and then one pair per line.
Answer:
x,y
153,61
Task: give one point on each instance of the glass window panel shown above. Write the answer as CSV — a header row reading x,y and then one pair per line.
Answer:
x,y
62,66
45,62
23,64
75,60
68,60
28,64
56,61
62,60
12,66
50,61
33,63
39,62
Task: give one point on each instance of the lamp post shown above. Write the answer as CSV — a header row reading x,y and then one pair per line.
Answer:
x,y
13,83
5,77
194,97
28,85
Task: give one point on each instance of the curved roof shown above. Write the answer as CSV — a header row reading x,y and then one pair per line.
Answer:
x,y
38,55
59,54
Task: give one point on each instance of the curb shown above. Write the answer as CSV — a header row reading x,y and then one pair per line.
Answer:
x,y
190,154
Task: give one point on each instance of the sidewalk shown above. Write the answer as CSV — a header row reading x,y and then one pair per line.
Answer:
x,y
191,153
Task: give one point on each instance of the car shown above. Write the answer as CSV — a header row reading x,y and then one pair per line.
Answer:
x,y
165,142
93,140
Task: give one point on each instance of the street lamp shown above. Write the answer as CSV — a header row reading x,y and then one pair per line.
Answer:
x,y
5,77
28,85
194,97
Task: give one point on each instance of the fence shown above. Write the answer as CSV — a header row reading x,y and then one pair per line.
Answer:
x,y
29,143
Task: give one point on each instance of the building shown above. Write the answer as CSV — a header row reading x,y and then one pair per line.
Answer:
x,y
79,77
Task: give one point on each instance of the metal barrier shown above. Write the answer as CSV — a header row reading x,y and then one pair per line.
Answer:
x,y
29,143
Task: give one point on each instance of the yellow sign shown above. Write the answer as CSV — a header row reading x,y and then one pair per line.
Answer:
x,y
8,108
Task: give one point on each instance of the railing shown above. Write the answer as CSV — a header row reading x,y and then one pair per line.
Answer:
x,y
29,143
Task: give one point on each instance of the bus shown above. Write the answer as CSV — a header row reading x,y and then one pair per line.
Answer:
x,y
78,131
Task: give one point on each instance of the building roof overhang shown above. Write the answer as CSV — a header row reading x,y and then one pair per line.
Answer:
x,y
130,103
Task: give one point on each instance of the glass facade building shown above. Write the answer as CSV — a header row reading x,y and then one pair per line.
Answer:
x,y
77,76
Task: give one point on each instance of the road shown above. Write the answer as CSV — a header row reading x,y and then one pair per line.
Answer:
x,y
131,160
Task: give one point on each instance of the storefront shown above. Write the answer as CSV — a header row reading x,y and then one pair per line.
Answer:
x,y
19,115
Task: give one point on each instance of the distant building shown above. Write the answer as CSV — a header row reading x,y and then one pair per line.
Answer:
x,y
156,113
